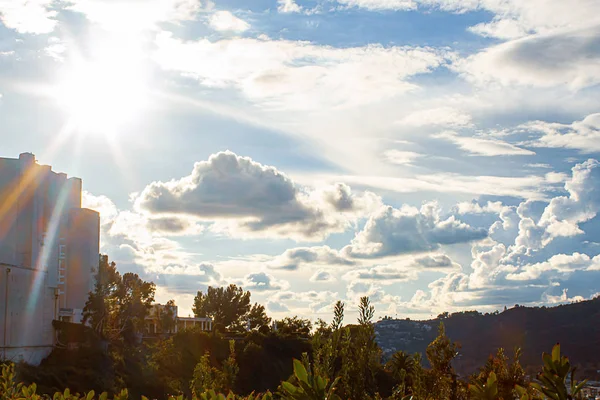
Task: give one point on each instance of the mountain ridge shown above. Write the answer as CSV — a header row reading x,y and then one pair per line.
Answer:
x,y
576,326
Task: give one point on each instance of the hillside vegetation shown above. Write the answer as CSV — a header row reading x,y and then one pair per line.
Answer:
x,y
533,329
454,357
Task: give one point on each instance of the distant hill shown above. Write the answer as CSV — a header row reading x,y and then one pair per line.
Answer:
x,y
575,326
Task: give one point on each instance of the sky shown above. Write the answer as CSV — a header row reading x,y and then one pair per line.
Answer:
x,y
434,155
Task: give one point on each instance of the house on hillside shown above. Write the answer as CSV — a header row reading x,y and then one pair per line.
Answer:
x,y
162,320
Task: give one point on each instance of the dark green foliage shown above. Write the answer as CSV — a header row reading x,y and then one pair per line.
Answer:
x,y
485,391
294,326
552,381
508,375
346,361
265,360
366,311
208,377
338,315
118,306
402,369
81,370
257,317
440,353
226,306
166,319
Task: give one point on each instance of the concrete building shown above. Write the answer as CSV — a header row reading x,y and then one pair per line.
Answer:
x,y
155,321
49,249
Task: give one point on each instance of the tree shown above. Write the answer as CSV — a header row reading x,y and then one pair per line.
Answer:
x,y
257,317
366,311
166,317
100,303
507,375
401,366
118,306
443,315
226,306
440,354
294,325
360,355
338,315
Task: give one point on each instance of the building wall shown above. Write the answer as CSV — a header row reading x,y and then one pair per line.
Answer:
x,y
49,249
26,313
9,172
81,259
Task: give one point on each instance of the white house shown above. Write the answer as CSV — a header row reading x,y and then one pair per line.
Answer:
x,y
153,321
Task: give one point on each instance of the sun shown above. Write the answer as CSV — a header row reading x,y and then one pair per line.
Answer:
x,y
102,95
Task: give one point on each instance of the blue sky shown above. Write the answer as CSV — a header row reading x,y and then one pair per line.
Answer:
x,y
435,155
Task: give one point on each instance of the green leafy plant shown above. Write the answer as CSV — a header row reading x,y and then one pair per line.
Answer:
x,y
304,385
552,381
485,391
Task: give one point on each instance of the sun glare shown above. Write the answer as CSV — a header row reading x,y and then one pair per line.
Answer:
x,y
101,95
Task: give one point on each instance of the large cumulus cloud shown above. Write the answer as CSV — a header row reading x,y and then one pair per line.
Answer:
x,y
562,216
249,197
394,231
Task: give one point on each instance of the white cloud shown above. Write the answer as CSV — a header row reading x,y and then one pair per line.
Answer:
x,y
516,16
317,301
581,135
500,28
357,289
383,275
563,214
561,263
262,282
485,265
563,298
409,230
441,116
103,205
288,6
539,165
277,307
531,186
567,58
404,269
378,5
226,21
488,147
322,276
28,16
139,238
401,157
292,259
246,198
341,197
434,262
135,15
299,75
471,207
